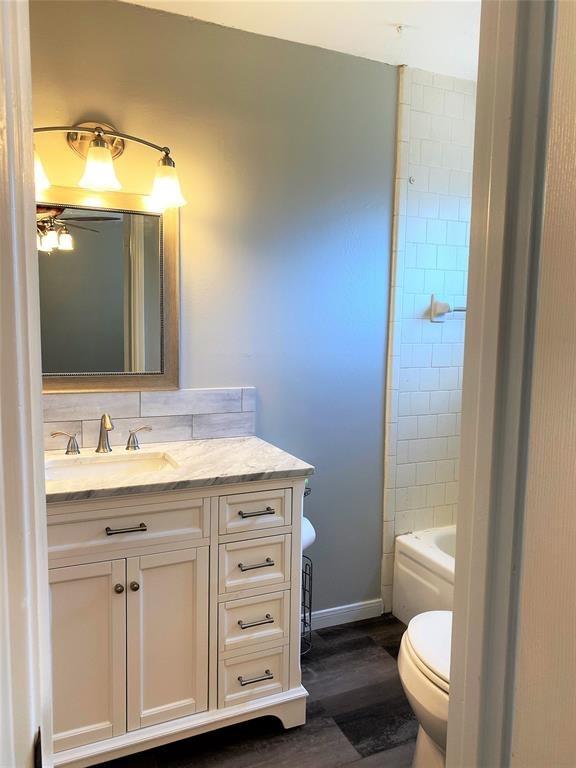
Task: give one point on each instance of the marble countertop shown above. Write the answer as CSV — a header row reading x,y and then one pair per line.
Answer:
x,y
189,464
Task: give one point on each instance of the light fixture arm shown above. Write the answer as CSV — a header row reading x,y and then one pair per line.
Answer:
x,y
102,132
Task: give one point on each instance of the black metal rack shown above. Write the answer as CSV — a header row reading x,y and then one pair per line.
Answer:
x,y
306,605
306,611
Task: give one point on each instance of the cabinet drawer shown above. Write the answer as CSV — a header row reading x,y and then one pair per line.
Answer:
x,y
254,620
105,529
254,511
254,563
252,676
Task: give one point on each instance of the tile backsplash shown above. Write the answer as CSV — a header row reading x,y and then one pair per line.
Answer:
x,y
182,414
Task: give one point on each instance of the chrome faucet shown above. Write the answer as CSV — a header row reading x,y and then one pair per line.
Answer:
x,y
133,444
72,447
103,441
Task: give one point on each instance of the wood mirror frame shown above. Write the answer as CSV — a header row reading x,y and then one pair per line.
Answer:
x,y
168,378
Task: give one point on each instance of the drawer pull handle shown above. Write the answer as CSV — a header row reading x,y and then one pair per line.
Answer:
x,y
250,624
266,564
247,681
134,529
259,513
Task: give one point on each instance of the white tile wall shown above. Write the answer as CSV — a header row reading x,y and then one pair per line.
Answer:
x,y
431,233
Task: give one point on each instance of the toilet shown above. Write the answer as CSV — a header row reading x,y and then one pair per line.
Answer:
x,y
424,668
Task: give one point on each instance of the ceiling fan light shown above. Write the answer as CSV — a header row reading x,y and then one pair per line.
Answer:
x,y
166,192
41,180
50,239
65,240
99,173
45,244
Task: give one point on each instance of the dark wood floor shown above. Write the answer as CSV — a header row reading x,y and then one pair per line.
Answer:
x,y
358,715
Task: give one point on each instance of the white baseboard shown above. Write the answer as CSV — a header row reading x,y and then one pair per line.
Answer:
x,y
344,614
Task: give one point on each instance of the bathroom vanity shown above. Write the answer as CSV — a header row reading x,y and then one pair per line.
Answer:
x,y
175,593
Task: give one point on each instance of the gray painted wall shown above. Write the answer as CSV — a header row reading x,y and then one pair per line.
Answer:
x,y
286,157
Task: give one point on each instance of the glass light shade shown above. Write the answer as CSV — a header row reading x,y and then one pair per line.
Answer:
x,y
99,173
50,239
41,180
166,192
45,245
65,241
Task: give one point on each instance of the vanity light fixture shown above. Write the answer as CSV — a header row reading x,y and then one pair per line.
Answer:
x,y
100,144
99,173
41,180
166,192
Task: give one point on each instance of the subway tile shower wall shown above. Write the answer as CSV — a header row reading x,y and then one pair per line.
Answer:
x,y
183,414
430,256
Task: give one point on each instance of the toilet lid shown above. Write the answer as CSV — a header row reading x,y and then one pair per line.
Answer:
x,y
430,637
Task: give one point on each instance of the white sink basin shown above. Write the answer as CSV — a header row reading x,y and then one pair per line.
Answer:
x,y
119,466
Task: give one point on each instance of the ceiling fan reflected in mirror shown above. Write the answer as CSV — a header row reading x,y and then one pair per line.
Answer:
x,y
52,227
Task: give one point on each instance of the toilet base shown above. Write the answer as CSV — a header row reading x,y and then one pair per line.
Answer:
x,y
428,754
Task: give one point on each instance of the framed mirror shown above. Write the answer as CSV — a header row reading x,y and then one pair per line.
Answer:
x,y
108,268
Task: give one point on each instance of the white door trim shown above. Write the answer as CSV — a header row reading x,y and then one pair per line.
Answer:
x,y
25,702
507,204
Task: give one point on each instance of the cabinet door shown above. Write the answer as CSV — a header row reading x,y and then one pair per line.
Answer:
x,y
88,620
167,636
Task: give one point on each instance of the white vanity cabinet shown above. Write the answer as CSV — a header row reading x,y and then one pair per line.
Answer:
x,y
167,639
173,613
88,652
129,644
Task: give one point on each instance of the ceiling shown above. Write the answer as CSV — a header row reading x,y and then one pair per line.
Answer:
x,y
437,35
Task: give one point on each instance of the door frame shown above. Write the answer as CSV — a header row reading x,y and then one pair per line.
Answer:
x,y
25,677
514,78
496,390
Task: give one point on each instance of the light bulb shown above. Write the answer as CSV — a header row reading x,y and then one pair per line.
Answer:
x,y
99,173
41,180
65,240
166,192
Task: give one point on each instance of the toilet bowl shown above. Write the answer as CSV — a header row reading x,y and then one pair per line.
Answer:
x,y
424,668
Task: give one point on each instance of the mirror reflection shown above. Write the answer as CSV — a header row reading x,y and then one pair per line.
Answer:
x,y
100,290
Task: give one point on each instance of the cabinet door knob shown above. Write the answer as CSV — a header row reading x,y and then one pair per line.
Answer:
x,y
134,586
119,588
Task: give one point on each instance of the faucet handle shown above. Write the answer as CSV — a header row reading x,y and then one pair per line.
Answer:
x,y
72,447
133,444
